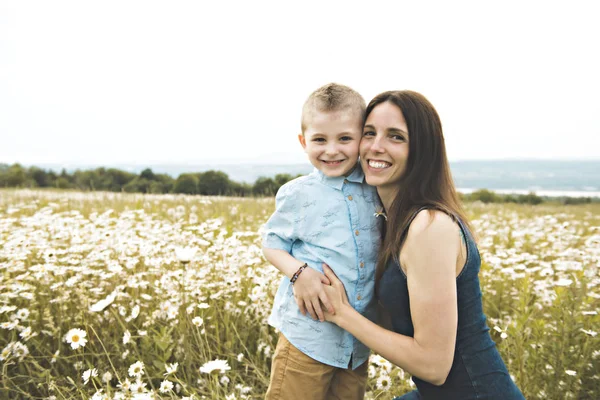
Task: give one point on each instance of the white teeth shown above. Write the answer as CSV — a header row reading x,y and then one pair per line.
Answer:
x,y
378,164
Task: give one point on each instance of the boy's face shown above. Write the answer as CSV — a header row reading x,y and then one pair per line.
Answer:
x,y
331,141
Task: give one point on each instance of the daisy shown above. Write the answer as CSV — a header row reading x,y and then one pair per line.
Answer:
x,y
125,385
197,321
166,387
138,387
106,377
136,369
171,368
76,338
216,365
383,382
126,337
6,351
89,373
570,372
185,254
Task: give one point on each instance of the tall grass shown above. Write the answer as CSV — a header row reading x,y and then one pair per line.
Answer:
x,y
106,263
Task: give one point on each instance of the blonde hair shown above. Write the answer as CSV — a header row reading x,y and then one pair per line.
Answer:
x,y
333,97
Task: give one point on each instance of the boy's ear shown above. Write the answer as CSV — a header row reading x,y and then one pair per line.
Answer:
x,y
302,140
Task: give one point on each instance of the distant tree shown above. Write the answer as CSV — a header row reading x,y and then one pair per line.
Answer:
x,y
239,189
138,185
213,183
530,198
265,187
162,183
41,177
186,183
484,196
16,176
282,179
115,179
147,174
62,183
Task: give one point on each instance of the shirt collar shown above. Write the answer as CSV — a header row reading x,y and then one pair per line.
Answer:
x,y
337,182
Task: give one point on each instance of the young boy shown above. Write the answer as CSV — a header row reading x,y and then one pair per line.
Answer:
x,y
325,217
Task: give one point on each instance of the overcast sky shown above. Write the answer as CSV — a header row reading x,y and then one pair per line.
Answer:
x,y
218,81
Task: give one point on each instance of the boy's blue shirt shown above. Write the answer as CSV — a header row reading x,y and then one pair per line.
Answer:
x,y
318,220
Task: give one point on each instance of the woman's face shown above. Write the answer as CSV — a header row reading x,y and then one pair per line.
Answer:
x,y
384,146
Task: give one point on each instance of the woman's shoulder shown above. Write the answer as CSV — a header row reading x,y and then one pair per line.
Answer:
x,y
432,221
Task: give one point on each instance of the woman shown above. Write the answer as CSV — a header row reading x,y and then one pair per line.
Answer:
x,y
427,275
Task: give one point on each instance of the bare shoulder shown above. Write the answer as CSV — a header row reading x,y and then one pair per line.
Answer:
x,y
432,223
432,243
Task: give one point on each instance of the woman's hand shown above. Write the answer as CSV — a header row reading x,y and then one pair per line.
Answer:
x,y
336,293
309,294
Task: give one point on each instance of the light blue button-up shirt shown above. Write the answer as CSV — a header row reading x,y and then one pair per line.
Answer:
x,y
318,220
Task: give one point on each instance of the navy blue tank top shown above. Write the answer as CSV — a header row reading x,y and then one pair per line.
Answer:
x,y
478,371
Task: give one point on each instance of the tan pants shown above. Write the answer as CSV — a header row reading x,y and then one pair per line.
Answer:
x,y
294,375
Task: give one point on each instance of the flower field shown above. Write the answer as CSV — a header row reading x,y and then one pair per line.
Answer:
x,y
119,296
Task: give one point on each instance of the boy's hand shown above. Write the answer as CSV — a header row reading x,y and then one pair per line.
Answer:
x,y
308,291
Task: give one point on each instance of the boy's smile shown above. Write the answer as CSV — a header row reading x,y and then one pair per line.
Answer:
x,y
331,141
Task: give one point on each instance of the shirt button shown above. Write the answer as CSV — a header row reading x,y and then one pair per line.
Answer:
x,y
362,264
350,197
358,297
356,232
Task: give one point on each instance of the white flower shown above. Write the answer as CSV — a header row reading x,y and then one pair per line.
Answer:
x,y
563,282
99,395
23,314
197,321
166,386
125,385
90,373
76,338
224,380
19,350
240,357
26,333
136,369
138,387
102,304
591,333
135,311
215,365
106,377
171,368
371,371
185,254
570,372
126,337
383,382
6,352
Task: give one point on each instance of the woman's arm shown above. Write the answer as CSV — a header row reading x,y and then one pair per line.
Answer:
x,y
430,255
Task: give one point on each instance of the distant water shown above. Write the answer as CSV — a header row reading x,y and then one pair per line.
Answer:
x,y
577,178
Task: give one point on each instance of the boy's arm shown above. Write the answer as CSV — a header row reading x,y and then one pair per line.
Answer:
x,y
308,288
280,234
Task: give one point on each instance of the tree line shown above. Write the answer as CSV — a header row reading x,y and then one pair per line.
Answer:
x,y
210,183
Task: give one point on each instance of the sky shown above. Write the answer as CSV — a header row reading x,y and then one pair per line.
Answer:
x,y
149,82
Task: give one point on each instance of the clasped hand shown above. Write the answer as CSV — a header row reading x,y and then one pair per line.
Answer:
x,y
313,289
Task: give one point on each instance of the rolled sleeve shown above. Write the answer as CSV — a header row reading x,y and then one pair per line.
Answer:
x,y
280,230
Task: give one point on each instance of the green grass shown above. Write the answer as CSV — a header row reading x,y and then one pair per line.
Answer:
x,y
62,252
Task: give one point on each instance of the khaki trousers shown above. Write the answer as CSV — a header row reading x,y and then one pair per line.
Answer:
x,y
294,375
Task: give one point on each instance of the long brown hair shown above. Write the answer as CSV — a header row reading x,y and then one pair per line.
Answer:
x,y
426,181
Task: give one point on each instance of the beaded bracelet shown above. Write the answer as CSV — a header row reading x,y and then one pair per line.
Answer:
x,y
297,273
